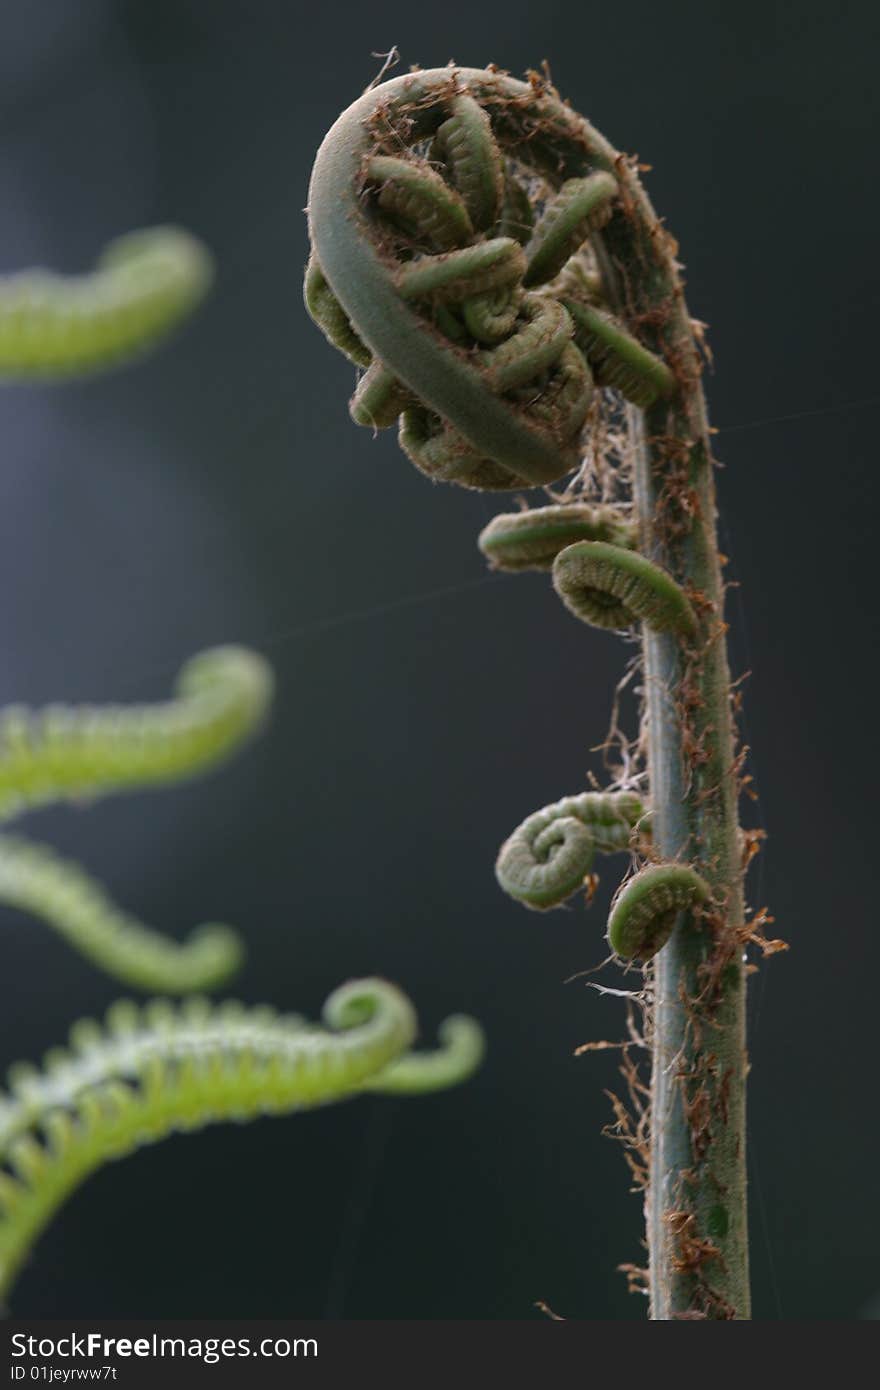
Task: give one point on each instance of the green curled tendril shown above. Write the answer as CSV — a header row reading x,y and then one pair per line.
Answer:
x,y
34,879
379,399
143,285
547,858
424,261
465,145
222,697
517,217
326,311
580,207
462,1049
531,540
159,1069
617,358
608,586
411,186
645,908
460,275
419,201
435,166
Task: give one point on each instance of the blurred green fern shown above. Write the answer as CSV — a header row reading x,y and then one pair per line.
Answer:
x,y
154,1070
62,751
144,284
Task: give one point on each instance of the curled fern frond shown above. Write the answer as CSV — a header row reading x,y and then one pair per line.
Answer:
x,y
35,879
462,1051
326,311
580,207
608,586
593,243
540,346
517,214
143,285
460,162
465,144
415,198
160,1069
542,334
379,399
456,276
455,328
547,858
617,358
61,751
444,455
532,539
72,751
645,908
490,318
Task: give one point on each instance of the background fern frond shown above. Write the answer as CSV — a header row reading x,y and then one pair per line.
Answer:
x,y
222,696
462,1051
62,751
62,325
35,879
154,1070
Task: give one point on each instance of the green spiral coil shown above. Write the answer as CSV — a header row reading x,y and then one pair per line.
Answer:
x,y
436,212
645,908
548,857
608,586
63,752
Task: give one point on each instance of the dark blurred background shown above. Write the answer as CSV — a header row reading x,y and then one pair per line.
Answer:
x,y
219,492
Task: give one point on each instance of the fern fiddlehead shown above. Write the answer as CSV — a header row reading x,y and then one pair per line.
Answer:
x,y
500,389
548,857
581,206
596,252
155,1070
144,284
531,540
608,586
618,359
647,906
223,695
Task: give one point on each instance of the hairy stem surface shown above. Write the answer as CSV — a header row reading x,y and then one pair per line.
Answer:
x,y
696,1201
698,1048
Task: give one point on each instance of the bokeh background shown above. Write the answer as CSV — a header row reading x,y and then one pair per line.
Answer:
x,y
218,492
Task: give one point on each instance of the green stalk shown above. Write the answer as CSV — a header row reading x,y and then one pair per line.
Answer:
x,y
698,1051
696,1212
696,1205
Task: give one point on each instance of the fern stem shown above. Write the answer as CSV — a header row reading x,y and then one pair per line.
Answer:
x,y
696,1212
470,430
698,1138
